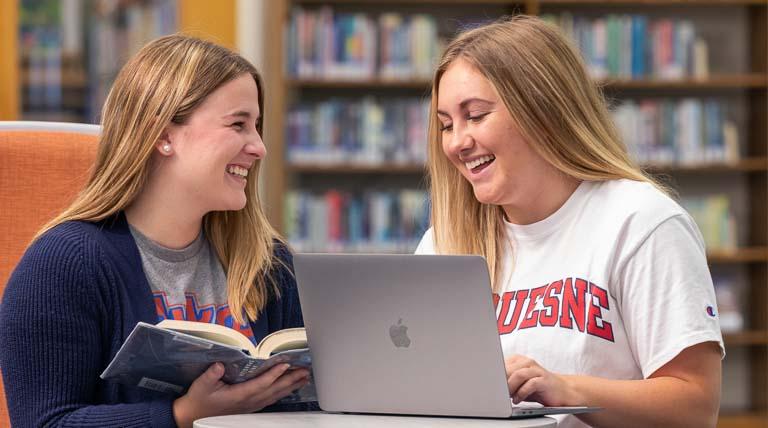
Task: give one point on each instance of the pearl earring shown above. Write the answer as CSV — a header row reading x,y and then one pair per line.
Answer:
x,y
167,148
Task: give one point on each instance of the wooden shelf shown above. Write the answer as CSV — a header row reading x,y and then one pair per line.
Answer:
x,y
745,338
359,83
541,2
68,59
742,420
408,2
341,168
70,78
67,81
758,164
650,2
740,255
724,81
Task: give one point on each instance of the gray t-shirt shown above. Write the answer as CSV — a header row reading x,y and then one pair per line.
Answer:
x,y
188,283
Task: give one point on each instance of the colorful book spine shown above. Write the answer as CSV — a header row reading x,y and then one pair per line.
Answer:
x,y
365,131
325,44
729,292
634,46
714,216
337,220
688,131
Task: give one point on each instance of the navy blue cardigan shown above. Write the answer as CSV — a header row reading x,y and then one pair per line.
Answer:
x,y
74,297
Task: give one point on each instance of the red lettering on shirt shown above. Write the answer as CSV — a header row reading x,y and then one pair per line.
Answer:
x,y
559,304
191,311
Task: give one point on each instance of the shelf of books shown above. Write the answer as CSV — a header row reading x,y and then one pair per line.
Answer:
x,y
687,84
70,51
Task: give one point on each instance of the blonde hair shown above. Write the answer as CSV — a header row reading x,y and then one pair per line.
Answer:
x,y
164,83
544,84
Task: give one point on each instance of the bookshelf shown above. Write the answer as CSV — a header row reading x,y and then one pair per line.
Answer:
x,y
751,165
737,79
88,42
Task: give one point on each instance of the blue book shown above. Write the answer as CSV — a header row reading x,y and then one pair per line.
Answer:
x,y
639,24
355,221
713,123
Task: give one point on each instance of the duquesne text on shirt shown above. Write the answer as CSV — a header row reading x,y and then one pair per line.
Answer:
x,y
571,303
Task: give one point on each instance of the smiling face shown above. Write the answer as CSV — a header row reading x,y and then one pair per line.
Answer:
x,y
481,139
215,150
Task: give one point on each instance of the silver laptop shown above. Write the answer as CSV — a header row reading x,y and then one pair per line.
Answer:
x,y
406,334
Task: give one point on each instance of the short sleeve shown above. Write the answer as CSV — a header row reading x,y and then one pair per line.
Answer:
x,y
668,301
427,244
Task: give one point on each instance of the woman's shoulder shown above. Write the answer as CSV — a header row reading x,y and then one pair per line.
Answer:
x,y
634,198
72,237
77,233
76,241
634,210
61,260
282,252
282,265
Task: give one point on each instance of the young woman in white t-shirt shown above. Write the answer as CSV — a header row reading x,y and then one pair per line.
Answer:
x,y
601,282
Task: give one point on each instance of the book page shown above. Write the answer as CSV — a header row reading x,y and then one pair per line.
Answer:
x,y
215,332
282,340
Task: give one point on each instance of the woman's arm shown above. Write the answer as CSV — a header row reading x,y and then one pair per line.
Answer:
x,y
290,308
210,396
286,313
683,392
663,289
55,328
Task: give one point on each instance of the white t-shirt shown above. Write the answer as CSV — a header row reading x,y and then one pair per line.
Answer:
x,y
614,284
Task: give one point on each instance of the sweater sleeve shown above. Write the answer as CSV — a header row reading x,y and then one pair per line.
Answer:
x,y
290,311
55,327
289,293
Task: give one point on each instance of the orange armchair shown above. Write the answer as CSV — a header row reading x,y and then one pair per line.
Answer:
x,y
43,165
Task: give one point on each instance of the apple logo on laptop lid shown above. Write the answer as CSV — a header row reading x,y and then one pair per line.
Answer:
x,y
399,334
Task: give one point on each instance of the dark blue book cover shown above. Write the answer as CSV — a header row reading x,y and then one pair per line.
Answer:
x,y
639,43
169,361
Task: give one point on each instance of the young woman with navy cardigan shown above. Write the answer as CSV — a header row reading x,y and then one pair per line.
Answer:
x,y
168,226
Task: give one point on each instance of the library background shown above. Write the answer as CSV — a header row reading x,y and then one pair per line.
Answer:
x,y
348,87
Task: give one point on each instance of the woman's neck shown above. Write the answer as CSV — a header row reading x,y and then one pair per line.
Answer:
x,y
163,218
551,194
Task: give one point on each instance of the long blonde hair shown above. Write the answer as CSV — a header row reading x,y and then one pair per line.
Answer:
x,y
164,83
560,111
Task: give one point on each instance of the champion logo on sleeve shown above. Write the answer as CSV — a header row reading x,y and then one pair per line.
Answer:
x,y
711,311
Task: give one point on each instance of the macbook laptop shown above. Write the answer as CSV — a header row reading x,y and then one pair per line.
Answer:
x,y
406,334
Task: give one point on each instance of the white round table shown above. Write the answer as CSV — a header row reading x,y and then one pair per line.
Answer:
x,y
341,420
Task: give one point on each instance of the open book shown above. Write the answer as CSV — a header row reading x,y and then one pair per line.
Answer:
x,y
169,356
